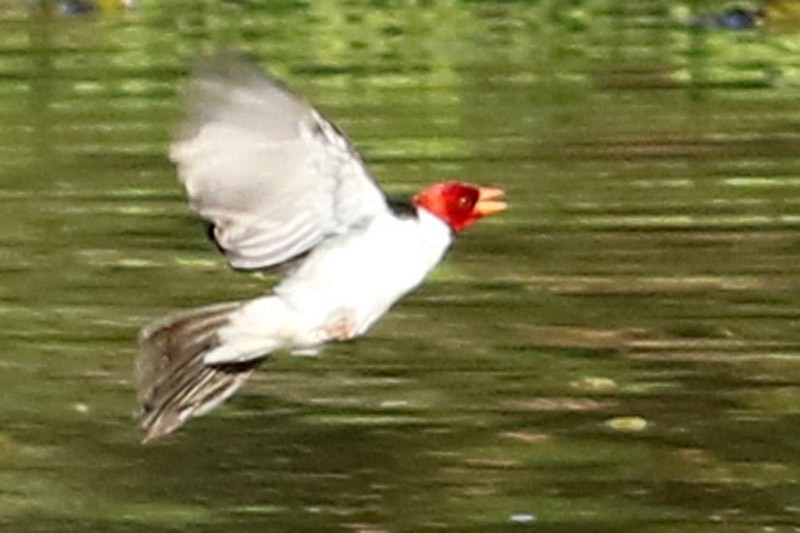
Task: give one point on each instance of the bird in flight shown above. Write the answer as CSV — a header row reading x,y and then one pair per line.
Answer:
x,y
278,184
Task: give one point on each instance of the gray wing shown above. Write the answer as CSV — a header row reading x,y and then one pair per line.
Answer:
x,y
266,169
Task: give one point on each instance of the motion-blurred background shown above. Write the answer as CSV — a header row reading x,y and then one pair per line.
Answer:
x,y
618,352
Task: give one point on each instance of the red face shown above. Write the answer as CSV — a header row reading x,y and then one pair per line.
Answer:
x,y
459,204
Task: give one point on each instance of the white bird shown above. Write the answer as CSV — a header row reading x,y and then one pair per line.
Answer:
x,y
278,182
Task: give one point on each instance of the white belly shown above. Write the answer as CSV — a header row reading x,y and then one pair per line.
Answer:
x,y
365,272
339,291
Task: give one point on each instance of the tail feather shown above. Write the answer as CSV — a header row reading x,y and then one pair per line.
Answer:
x,y
173,382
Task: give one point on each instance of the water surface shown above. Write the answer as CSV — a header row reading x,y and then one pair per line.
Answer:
x,y
617,352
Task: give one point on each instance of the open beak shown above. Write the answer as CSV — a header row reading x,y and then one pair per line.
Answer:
x,y
490,200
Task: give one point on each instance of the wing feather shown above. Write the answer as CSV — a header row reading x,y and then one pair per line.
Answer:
x,y
272,175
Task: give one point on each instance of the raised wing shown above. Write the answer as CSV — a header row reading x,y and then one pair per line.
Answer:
x,y
267,170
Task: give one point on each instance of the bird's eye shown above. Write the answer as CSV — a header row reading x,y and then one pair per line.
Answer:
x,y
465,203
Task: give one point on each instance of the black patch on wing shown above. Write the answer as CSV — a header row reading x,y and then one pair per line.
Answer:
x,y
210,227
401,207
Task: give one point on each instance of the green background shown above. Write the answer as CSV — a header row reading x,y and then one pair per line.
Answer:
x,y
617,352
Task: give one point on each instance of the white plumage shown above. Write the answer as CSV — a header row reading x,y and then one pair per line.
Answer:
x,y
278,182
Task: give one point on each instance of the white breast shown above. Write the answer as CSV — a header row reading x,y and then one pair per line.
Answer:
x,y
367,270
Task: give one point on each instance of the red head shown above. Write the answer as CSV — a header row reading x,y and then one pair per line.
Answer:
x,y
459,204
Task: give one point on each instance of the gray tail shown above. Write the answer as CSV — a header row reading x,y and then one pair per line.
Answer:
x,y
173,382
